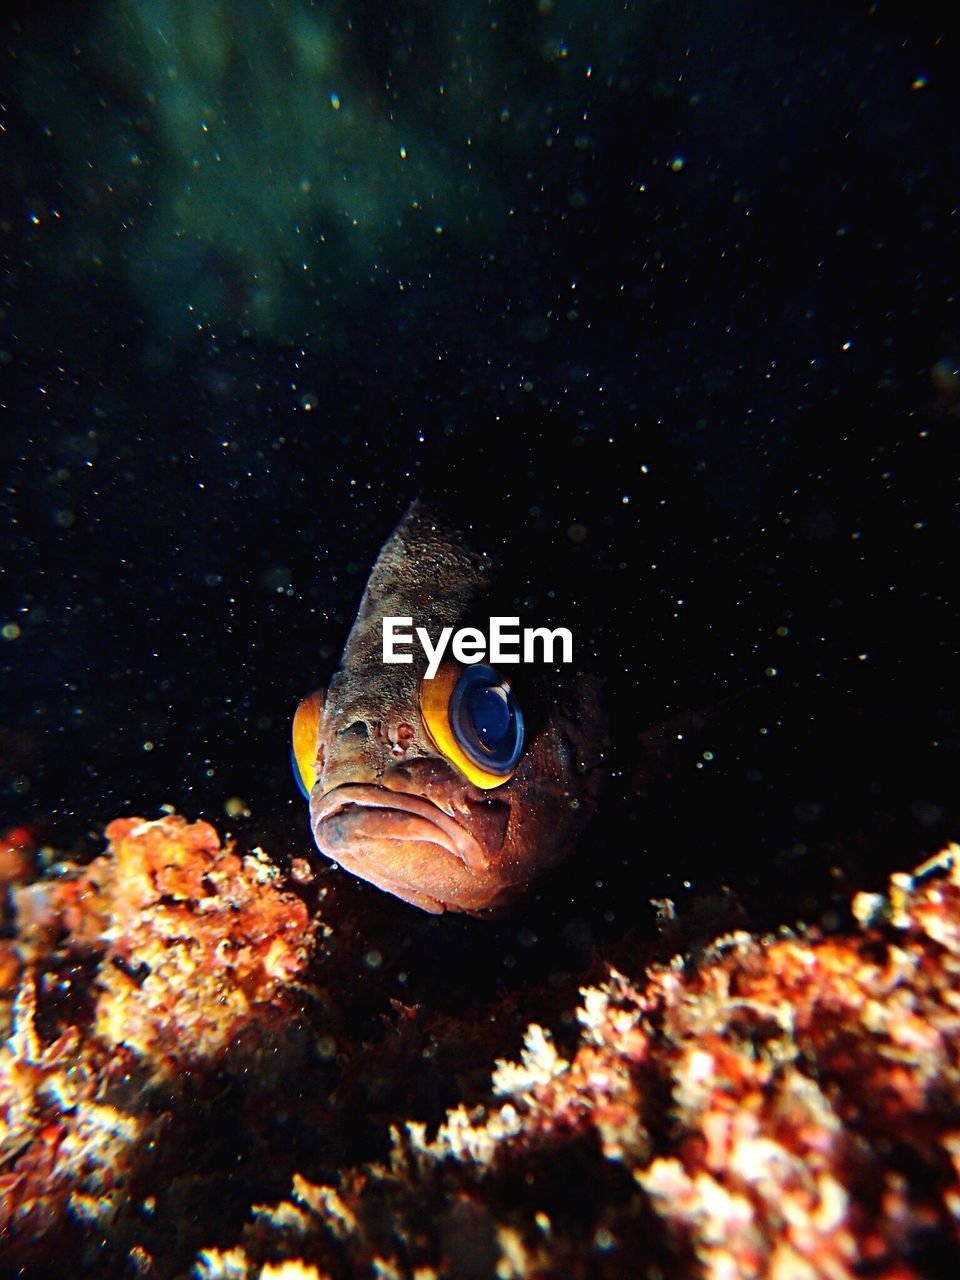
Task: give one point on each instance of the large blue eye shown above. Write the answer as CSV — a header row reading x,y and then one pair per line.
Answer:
x,y
485,718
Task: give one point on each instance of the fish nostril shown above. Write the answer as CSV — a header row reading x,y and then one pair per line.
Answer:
x,y
401,740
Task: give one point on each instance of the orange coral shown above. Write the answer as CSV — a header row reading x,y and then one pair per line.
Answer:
x,y
773,1107
195,941
62,1147
194,944
793,1066
199,940
812,1089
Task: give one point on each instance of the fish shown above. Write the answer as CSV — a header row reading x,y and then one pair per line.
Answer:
x,y
453,793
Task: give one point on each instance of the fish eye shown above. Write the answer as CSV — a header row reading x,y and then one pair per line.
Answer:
x,y
303,745
485,717
473,717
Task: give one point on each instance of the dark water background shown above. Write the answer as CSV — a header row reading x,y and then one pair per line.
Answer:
x,y
669,293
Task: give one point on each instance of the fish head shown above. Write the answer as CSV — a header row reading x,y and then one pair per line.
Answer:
x,y
454,792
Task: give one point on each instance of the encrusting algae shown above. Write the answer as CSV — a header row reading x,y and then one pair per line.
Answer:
x,y
61,1147
781,1107
195,942
184,945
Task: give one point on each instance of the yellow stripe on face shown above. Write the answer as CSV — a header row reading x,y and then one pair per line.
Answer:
x,y
435,697
306,725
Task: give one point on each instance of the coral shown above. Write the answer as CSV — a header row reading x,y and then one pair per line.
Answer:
x,y
62,1148
18,857
781,1107
199,941
18,864
151,961
196,942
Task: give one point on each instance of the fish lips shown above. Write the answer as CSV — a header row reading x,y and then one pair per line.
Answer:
x,y
355,820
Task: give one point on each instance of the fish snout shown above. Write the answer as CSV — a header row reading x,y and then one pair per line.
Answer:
x,y
407,844
356,814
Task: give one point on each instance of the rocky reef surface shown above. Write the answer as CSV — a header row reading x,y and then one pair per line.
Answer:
x,y
187,1088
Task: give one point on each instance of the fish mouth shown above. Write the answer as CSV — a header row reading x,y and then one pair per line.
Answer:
x,y
355,818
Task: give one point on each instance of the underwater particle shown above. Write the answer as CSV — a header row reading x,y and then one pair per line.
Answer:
x,y
309,401
277,579
577,532
535,327
678,164
945,376
10,631
236,808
